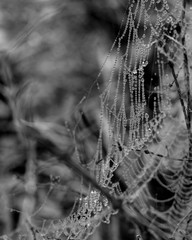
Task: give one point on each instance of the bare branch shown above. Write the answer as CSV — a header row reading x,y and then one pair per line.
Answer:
x,y
179,92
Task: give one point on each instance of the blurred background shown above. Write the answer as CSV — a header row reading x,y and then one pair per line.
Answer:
x,y
51,54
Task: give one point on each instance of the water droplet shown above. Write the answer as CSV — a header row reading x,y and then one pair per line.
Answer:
x,y
149,130
145,139
99,207
144,64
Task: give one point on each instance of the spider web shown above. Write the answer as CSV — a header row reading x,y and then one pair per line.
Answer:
x,y
139,143
141,146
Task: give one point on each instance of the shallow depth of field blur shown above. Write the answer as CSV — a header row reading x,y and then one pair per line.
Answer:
x,y
51,54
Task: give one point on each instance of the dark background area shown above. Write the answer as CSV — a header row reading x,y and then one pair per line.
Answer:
x,y
51,54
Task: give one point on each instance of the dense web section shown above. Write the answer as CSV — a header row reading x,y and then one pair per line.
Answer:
x,y
140,143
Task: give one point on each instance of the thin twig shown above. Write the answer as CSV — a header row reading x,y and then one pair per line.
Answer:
x,y
179,92
33,133
186,69
174,40
162,156
32,229
179,224
116,203
187,165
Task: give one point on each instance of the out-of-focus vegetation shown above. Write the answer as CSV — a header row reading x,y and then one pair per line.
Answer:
x,y
51,54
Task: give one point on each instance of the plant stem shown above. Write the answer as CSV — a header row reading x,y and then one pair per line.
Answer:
x,y
183,195
32,229
116,203
179,224
186,69
179,93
